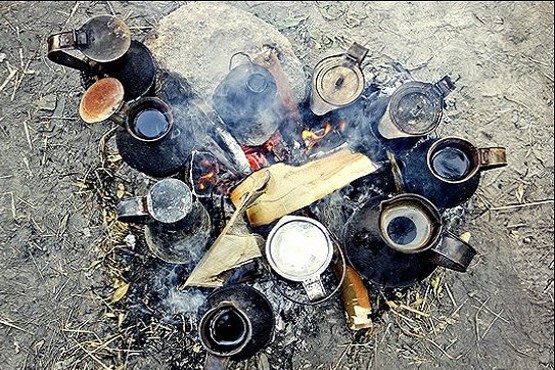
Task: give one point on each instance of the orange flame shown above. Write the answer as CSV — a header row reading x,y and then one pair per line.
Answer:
x,y
308,135
342,126
206,178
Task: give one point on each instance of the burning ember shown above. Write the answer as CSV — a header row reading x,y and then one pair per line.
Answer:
x,y
204,173
271,151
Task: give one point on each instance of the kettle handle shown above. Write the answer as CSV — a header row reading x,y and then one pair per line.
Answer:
x,y
213,362
242,53
491,158
452,253
68,40
133,210
445,86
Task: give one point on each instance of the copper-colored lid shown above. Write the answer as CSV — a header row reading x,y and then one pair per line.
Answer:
x,y
101,100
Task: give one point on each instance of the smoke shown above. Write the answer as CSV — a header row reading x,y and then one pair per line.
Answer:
x,y
171,302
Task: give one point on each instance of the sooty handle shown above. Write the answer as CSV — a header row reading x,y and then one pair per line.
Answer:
x,y
57,46
212,362
494,157
133,210
452,253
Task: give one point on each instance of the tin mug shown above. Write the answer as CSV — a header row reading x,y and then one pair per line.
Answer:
x,y
447,171
300,249
415,109
147,119
101,39
177,226
397,241
236,322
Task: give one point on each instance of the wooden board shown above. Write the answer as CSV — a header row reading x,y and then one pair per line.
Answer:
x,y
291,188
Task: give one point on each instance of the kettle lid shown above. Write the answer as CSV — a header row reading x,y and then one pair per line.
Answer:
x,y
416,108
104,38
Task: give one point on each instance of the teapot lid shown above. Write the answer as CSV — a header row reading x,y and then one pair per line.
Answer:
x,y
245,90
298,248
416,107
169,200
104,38
337,81
246,101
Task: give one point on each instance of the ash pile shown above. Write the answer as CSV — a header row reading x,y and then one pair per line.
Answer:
x,y
255,213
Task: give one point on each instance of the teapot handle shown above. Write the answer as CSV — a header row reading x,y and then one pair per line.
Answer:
x,y
491,158
357,53
452,253
242,53
133,210
445,86
67,40
212,362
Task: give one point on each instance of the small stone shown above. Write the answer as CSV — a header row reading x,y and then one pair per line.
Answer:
x,y
527,240
48,102
197,348
2,57
130,240
86,232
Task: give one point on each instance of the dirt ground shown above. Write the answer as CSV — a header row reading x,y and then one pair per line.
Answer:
x,y
55,310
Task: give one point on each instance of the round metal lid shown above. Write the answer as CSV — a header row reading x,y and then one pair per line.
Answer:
x,y
169,200
299,248
338,81
416,108
104,38
101,100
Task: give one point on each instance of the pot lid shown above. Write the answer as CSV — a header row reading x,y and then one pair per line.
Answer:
x,y
338,81
101,100
299,248
104,38
169,200
416,108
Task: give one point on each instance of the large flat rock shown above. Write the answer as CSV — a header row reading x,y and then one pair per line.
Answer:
x,y
197,41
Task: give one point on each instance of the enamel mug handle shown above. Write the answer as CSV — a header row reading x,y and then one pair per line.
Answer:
x,y
133,210
494,157
452,253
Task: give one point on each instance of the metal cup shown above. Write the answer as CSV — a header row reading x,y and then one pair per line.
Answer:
x,y
411,224
147,119
101,39
177,227
236,322
415,109
300,249
447,171
462,160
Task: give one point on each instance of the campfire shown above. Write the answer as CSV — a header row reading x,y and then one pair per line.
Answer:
x,y
261,200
